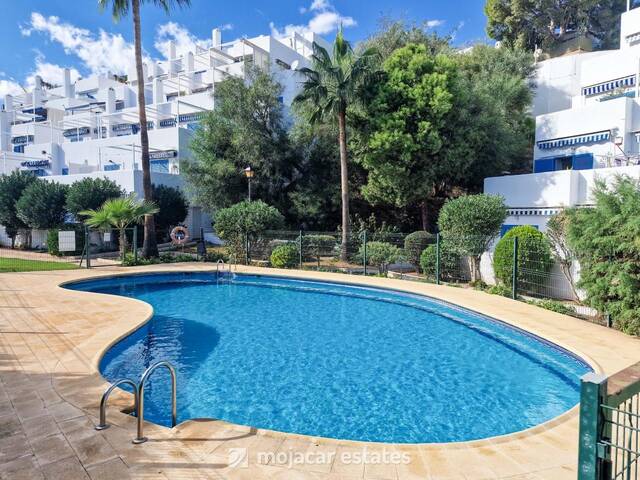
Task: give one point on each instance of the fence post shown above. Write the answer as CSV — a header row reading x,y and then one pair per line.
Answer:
x,y
87,245
135,245
593,390
300,249
437,258
514,278
364,251
246,248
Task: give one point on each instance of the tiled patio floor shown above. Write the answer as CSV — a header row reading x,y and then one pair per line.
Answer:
x,y
51,340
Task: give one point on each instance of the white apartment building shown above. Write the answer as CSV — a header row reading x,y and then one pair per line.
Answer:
x,y
90,128
587,109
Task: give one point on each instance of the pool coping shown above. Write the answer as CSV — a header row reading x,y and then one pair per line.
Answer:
x,y
554,328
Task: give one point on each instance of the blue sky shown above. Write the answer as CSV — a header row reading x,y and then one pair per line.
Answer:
x,y
43,36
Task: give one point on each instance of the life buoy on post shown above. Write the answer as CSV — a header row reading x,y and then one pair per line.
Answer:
x,y
179,235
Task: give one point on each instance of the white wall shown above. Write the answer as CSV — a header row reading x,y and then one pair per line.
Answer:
x,y
553,189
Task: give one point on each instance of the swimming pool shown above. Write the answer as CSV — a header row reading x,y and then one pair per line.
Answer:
x,y
336,361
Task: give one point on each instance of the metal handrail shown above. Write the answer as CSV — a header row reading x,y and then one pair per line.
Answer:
x,y
105,396
140,438
220,261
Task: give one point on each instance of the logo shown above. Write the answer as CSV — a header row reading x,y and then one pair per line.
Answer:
x,y
238,458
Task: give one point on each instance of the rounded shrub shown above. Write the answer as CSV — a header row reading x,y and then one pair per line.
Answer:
x,y
380,254
316,246
534,254
414,245
285,256
449,262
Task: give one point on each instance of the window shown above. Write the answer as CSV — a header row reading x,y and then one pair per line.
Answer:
x,y
282,64
505,228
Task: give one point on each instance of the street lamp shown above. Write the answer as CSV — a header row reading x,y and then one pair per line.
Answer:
x,y
249,174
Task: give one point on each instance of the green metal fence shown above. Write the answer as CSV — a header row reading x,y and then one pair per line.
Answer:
x,y
610,426
42,250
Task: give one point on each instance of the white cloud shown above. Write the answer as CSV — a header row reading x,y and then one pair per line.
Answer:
x,y
434,23
226,26
9,87
184,40
49,72
325,20
100,53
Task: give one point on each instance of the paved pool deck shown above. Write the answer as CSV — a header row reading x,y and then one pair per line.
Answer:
x,y
51,340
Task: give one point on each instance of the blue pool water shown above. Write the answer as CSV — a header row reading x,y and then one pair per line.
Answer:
x,y
336,361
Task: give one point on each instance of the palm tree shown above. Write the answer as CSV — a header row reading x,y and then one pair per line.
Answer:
x,y
120,9
120,213
333,84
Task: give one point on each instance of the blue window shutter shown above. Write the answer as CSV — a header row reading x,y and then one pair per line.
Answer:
x,y
505,228
583,161
544,165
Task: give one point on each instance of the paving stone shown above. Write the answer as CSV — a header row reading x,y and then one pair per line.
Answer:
x,y
22,468
51,449
40,427
67,469
9,425
14,447
114,469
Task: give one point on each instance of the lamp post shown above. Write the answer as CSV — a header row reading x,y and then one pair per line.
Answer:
x,y
249,174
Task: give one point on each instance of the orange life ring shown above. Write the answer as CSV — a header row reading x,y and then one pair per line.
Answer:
x,y
179,235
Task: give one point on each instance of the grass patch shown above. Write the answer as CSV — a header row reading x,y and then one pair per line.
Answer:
x,y
23,265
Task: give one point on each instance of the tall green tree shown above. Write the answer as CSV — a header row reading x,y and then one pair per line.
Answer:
x,y
120,9
439,124
394,34
544,23
314,196
406,120
173,207
491,122
11,188
91,193
331,85
42,205
247,128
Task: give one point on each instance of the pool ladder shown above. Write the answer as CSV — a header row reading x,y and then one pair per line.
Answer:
x,y
138,395
221,262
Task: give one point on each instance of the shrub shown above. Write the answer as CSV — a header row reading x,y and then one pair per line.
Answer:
x,y
285,256
500,290
173,208
554,306
470,223
42,204
414,245
605,240
380,255
90,194
449,262
11,188
246,221
534,254
316,246
215,255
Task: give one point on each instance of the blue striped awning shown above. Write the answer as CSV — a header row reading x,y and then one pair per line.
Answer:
x,y
191,117
594,137
604,87
633,38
